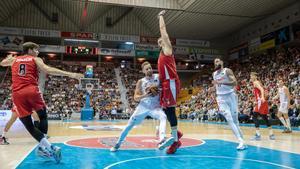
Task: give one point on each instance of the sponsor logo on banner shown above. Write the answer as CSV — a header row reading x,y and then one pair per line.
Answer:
x,y
282,35
147,54
11,42
116,52
267,37
29,32
153,40
204,51
181,50
122,38
53,116
5,116
197,43
147,47
52,48
267,45
203,57
40,32
80,35
10,31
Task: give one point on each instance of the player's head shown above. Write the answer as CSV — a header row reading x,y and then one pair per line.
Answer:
x,y
253,76
280,82
218,64
31,48
147,69
160,42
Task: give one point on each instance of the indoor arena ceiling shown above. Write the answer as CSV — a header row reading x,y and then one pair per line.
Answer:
x,y
194,19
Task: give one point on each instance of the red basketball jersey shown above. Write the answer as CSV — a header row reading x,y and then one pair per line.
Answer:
x,y
24,73
166,67
256,93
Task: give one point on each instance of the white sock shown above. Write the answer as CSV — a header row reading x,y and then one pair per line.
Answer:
x,y
257,132
283,121
174,133
241,140
45,143
288,123
270,132
162,128
3,134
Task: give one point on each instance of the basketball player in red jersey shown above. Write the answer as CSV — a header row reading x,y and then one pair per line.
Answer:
x,y
261,107
14,116
26,96
170,84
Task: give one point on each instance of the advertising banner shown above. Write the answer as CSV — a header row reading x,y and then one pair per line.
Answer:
x,y
282,35
80,35
153,40
52,49
196,43
116,52
121,38
11,43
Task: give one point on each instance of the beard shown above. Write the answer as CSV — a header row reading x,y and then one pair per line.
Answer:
x,y
149,74
218,67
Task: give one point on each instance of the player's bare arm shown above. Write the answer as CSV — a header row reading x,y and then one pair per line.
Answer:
x,y
260,88
167,46
138,92
8,61
54,71
231,77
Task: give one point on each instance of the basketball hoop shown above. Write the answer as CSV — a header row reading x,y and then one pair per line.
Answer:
x,y
89,84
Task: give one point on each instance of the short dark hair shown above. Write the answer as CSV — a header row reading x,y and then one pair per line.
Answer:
x,y
144,64
29,45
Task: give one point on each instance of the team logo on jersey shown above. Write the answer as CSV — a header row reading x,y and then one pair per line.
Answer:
x,y
3,113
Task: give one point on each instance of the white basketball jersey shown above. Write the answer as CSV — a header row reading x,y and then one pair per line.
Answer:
x,y
282,96
222,77
150,101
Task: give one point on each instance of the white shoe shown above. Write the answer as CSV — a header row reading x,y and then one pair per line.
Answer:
x,y
56,153
43,152
166,143
241,146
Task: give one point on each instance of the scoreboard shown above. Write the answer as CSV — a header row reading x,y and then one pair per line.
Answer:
x,y
82,50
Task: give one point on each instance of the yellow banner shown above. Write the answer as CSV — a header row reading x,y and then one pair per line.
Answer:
x,y
267,45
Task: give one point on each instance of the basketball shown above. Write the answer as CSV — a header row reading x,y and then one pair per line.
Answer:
x,y
154,90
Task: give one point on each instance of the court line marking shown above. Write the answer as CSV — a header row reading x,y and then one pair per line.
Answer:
x,y
259,146
25,156
203,142
195,156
